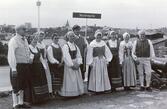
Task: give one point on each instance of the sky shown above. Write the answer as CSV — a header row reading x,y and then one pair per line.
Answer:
x,y
115,13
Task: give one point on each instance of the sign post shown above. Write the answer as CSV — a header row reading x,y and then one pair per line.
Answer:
x,y
86,16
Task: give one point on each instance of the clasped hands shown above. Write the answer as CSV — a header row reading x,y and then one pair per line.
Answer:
x,y
75,66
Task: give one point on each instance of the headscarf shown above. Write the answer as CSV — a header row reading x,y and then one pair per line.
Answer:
x,y
70,33
97,33
126,34
38,33
55,35
111,33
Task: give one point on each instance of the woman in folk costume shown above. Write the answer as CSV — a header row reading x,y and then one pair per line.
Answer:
x,y
42,48
98,56
127,62
72,82
40,91
54,54
114,69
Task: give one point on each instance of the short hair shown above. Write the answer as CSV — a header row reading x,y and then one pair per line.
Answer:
x,y
141,32
76,27
20,27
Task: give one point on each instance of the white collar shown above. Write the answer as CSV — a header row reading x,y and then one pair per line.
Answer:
x,y
94,43
112,43
55,45
41,45
71,45
19,36
33,49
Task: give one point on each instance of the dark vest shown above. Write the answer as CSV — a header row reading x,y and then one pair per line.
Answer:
x,y
42,51
142,48
73,53
99,51
57,53
114,50
36,56
80,42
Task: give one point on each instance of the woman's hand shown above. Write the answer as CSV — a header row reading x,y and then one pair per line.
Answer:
x,y
75,67
14,73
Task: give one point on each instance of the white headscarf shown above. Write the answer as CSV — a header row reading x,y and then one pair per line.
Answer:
x,y
112,32
70,33
97,33
125,35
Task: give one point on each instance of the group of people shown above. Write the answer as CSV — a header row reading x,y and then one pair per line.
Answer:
x,y
38,72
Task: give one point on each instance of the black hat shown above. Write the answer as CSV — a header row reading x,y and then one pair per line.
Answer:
x,y
76,27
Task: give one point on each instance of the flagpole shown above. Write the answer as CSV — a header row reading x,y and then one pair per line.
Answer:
x,y
38,3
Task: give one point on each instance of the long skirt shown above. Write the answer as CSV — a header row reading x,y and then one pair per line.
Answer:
x,y
40,91
114,71
48,76
57,73
129,72
72,82
98,78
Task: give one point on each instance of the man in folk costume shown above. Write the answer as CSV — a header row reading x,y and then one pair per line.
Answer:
x,y
55,58
82,43
143,51
42,48
19,61
98,56
72,82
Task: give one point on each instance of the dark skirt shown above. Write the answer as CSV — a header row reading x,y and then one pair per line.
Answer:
x,y
22,80
40,92
114,72
82,68
57,73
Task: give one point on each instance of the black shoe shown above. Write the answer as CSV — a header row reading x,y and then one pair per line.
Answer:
x,y
142,88
127,89
24,106
149,89
113,90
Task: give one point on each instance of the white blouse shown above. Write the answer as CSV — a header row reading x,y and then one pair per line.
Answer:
x,y
113,43
50,56
66,55
35,50
123,44
94,43
13,44
41,45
